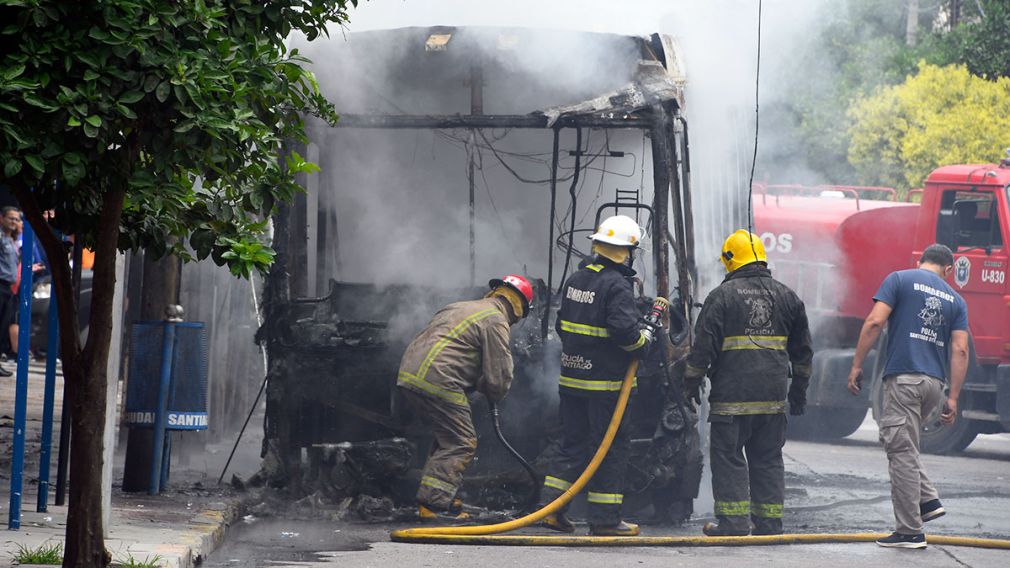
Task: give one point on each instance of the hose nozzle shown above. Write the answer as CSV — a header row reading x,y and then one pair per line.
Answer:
x,y
655,316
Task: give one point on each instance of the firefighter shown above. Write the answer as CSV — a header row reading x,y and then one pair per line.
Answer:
x,y
599,326
465,348
749,331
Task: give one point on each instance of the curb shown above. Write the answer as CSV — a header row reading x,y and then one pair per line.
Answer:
x,y
189,547
205,533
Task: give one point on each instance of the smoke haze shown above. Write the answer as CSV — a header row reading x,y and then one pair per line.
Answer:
x,y
398,200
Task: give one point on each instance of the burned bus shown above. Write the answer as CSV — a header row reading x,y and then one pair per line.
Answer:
x,y
462,154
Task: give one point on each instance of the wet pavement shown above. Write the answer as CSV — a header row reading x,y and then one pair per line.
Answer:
x,y
841,487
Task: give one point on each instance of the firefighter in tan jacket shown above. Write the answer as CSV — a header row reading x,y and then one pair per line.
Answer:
x,y
465,348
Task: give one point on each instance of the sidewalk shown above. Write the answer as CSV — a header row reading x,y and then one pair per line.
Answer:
x,y
180,527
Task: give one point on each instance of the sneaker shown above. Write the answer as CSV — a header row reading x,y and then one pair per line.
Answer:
x,y
898,540
558,522
620,529
931,510
713,529
5,372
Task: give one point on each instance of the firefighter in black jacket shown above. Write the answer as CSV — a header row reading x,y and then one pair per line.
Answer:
x,y
599,326
749,331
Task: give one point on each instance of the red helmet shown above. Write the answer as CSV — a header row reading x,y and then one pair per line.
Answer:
x,y
519,284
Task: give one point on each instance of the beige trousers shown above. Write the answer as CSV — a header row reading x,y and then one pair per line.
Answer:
x,y
908,400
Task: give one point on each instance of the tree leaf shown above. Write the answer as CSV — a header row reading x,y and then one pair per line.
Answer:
x,y
90,75
12,167
36,163
14,72
94,120
150,83
161,93
131,97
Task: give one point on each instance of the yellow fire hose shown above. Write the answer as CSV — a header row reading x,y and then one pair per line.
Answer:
x,y
482,534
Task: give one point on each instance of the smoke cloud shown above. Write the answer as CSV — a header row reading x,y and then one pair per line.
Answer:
x,y
396,202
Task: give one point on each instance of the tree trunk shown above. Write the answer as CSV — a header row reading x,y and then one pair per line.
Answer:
x,y
912,23
84,373
85,546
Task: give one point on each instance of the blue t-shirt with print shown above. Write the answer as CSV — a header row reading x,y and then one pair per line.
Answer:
x,y
925,310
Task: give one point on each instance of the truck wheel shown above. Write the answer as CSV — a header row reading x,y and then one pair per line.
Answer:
x,y
935,438
822,423
939,439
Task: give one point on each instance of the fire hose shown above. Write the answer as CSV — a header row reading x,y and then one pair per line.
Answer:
x,y
489,534
531,501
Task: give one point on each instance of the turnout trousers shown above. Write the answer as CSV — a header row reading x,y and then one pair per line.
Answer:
x,y
584,421
908,399
453,445
748,476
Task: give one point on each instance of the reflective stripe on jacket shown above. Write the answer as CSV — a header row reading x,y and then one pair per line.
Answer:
x,y
749,332
464,348
599,328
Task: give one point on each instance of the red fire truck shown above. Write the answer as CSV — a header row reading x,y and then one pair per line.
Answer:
x,y
835,244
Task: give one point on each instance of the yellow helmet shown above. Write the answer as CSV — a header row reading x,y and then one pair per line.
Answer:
x,y
741,249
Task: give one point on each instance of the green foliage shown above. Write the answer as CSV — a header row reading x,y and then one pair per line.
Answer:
x,y
45,553
941,115
131,562
860,47
982,44
185,106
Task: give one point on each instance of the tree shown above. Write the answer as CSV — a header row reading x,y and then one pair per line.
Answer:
x,y
983,43
940,115
148,124
860,45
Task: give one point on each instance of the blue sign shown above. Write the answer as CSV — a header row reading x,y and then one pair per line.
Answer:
x,y
187,400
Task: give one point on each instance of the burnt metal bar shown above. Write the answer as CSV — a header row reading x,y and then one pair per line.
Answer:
x,y
598,120
476,109
470,182
684,275
573,196
661,167
476,88
685,183
550,238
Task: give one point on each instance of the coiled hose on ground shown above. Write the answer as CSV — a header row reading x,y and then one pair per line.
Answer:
x,y
488,534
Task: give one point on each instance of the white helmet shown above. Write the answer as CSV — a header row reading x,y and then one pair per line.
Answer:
x,y
619,230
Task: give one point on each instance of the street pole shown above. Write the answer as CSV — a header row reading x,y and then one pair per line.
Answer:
x,y
21,381
160,289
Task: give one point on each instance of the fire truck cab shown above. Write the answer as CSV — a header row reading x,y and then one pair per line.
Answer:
x,y
834,245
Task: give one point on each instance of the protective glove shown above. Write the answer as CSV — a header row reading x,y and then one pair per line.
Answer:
x,y
692,391
797,399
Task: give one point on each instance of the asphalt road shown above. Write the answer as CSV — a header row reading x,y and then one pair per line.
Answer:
x,y
841,487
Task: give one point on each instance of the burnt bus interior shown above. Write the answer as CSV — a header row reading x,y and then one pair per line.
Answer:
x,y
463,154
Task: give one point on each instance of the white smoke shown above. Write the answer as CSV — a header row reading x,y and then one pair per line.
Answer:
x,y
402,197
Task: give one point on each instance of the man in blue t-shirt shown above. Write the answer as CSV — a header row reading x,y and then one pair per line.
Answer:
x,y
927,328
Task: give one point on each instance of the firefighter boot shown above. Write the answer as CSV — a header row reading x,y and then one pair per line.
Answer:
x,y
620,529
721,529
454,512
558,522
766,527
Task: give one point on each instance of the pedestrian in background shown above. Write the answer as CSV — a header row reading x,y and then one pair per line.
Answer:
x,y
10,221
927,323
